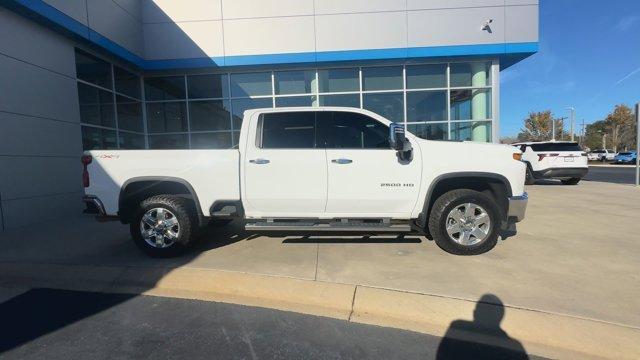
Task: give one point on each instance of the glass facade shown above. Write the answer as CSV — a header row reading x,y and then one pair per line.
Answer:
x,y
110,99
439,101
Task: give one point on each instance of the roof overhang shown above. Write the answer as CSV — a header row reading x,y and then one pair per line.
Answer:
x,y
38,10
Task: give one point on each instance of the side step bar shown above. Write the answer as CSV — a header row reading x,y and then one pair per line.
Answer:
x,y
330,226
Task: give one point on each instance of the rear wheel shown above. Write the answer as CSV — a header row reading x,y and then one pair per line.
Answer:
x,y
571,181
163,226
529,179
465,222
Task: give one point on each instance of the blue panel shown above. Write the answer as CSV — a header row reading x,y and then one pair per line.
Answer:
x,y
115,49
528,47
456,50
372,54
509,53
288,58
183,63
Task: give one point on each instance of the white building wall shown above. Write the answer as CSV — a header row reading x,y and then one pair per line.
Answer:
x,y
119,21
188,29
251,27
39,125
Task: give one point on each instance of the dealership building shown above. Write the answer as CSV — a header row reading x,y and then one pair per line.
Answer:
x,y
169,74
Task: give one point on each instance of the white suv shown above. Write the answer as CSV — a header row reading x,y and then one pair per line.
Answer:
x,y
562,160
602,155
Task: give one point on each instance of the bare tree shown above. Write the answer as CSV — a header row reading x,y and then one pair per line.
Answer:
x,y
508,140
619,124
537,127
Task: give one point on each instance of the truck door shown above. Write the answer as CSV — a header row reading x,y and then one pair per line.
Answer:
x,y
365,175
285,173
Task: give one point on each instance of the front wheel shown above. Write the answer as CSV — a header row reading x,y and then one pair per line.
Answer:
x,y
163,226
571,181
465,222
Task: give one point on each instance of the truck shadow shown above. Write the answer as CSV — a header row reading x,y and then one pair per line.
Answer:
x,y
64,255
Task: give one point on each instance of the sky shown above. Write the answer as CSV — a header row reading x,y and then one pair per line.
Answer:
x,y
589,58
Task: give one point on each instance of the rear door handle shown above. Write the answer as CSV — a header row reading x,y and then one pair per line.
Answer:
x,y
259,161
342,161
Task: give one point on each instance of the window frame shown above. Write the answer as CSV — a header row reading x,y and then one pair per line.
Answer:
x,y
355,97
320,131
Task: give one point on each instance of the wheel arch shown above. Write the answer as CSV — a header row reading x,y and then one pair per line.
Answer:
x,y
493,184
136,189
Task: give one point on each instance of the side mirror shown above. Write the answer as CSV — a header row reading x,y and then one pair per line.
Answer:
x,y
400,143
396,137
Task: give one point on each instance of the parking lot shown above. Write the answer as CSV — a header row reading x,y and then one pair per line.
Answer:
x,y
619,174
575,254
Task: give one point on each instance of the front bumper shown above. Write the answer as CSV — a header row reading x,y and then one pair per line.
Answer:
x,y
517,207
552,173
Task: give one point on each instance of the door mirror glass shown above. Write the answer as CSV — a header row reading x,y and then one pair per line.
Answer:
x,y
397,136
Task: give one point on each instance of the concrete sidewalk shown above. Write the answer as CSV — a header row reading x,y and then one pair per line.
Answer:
x,y
573,263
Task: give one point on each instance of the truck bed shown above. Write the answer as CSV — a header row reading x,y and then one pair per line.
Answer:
x,y
212,174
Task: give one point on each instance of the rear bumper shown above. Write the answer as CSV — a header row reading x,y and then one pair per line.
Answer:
x,y
517,207
551,173
94,205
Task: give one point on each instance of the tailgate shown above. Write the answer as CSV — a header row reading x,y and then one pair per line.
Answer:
x,y
561,159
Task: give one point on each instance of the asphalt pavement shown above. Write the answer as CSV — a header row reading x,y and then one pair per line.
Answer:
x,y
61,324
623,174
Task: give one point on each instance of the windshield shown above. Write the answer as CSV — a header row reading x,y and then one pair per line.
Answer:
x,y
556,147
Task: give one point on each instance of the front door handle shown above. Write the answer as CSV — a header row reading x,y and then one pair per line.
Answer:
x,y
259,161
342,161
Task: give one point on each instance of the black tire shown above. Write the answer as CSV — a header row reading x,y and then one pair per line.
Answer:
x,y
184,214
529,179
571,181
438,219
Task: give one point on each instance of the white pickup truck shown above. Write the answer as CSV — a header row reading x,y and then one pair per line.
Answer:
x,y
310,170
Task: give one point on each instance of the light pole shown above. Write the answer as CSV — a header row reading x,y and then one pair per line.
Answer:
x,y
582,133
604,138
573,114
638,144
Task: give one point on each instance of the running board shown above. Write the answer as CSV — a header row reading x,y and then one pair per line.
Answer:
x,y
331,226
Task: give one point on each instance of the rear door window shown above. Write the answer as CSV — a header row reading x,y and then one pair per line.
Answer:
x,y
556,147
287,130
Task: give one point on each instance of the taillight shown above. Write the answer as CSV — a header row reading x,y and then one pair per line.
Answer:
x,y
86,160
542,156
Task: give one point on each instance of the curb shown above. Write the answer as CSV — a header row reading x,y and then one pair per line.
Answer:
x,y
543,334
619,166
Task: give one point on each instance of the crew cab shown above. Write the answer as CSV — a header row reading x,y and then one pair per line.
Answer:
x,y
313,170
562,160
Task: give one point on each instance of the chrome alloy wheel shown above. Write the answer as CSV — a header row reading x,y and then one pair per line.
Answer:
x,y
468,224
159,228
